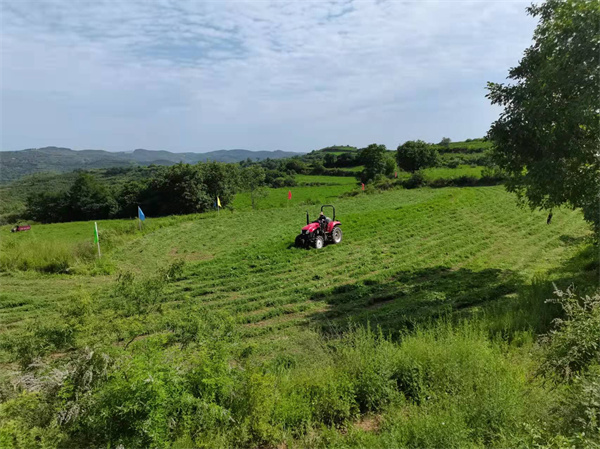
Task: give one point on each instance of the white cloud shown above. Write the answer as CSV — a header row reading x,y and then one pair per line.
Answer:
x,y
258,75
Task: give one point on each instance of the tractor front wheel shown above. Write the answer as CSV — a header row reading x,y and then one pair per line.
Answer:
x,y
319,242
336,235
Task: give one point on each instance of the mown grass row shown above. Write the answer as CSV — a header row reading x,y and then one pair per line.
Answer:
x,y
244,262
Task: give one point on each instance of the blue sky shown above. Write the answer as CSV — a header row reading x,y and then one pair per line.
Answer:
x,y
260,75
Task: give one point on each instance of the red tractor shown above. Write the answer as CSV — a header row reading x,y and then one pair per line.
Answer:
x,y
321,231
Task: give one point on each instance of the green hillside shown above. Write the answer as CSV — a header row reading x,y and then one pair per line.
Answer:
x,y
213,330
16,164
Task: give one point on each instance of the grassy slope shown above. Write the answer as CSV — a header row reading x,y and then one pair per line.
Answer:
x,y
407,256
406,253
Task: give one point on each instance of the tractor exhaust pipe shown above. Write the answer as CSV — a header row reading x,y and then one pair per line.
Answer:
x,y
307,219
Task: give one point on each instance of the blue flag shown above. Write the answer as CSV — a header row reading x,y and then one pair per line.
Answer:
x,y
141,215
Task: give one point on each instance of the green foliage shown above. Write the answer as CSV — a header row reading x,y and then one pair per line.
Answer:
x,y
445,142
85,200
376,161
469,146
44,256
441,386
141,297
330,160
37,340
296,165
578,412
179,189
17,164
417,179
546,138
574,344
253,180
186,189
415,155
247,344
88,199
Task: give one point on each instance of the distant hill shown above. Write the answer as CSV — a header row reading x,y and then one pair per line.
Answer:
x,y
15,164
338,149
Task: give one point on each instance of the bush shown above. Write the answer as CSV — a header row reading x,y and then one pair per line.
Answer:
x,y
416,180
579,411
287,181
37,340
139,297
574,343
453,163
412,156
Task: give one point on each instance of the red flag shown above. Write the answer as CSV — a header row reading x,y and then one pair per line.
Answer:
x,y
289,194
395,174
363,186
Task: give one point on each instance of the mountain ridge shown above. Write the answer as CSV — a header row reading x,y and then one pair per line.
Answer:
x,y
15,164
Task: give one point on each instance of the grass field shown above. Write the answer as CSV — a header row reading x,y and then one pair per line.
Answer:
x,y
406,255
316,190
274,320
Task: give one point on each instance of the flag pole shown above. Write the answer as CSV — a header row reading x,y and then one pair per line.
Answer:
x,y
97,239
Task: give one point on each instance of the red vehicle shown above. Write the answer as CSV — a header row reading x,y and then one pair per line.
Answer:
x,y
319,232
20,228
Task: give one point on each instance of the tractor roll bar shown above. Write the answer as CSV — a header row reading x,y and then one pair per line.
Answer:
x,y
329,205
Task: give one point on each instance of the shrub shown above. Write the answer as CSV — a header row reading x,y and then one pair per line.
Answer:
x,y
412,156
453,163
416,180
37,340
579,411
574,343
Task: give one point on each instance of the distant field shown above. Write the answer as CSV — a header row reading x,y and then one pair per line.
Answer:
x,y
355,169
451,173
323,180
472,146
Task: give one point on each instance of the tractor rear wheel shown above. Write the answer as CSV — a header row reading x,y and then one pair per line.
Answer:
x,y
336,235
319,242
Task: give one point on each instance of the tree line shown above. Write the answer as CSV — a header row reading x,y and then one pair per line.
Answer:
x,y
186,189
178,189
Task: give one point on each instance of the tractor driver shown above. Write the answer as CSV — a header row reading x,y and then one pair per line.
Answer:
x,y
323,220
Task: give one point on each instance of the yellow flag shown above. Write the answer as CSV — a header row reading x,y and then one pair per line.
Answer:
x,y
218,202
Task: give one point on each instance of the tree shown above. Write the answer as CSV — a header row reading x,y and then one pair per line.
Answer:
x,y
445,142
89,200
47,207
178,189
296,165
376,160
219,179
253,180
330,160
414,155
546,139
128,198
317,167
